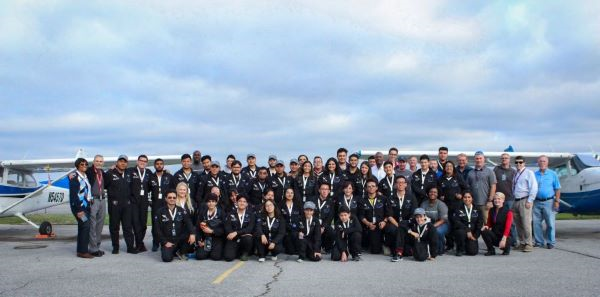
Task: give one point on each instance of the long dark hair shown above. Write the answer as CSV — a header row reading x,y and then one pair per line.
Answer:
x,y
276,209
311,172
369,174
337,166
453,168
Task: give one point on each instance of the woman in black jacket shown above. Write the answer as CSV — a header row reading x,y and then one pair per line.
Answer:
x,y
467,223
270,230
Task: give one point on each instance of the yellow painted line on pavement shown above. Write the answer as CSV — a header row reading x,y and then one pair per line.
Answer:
x,y
229,271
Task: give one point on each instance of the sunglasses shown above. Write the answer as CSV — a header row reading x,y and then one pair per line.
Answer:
x,y
519,162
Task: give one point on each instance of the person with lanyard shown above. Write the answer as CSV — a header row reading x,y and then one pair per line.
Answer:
x,y
546,203
96,177
239,228
184,200
505,175
272,165
210,233
348,199
467,223
160,182
437,211
400,205
318,166
386,184
423,179
294,166
187,175
251,169
237,180
306,182
215,178
206,163
482,183
348,237
280,182
140,186
258,186
291,210
373,214
360,188
422,237
270,230
525,189
176,231
309,235
333,176
197,161
80,198
496,231
442,159
119,205
393,156
377,170
228,162
451,186
325,213
353,172
341,155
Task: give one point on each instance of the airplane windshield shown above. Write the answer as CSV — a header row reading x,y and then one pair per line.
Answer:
x,y
584,161
20,179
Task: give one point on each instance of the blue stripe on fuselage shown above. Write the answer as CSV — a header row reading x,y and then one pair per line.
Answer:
x,y
582,202
15,190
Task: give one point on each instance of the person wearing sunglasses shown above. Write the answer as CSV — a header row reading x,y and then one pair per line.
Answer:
x,y
176,232
80,198
525,189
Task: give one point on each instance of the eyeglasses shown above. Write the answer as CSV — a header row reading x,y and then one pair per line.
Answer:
x,y
171,197
519,162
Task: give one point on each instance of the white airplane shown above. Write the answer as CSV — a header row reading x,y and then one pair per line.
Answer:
x,y
21,194
579,174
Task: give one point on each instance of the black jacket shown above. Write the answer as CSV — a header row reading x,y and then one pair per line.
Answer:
x,y
344,231
280,185
216,222
252,174
353,205
158,191
117,186
421,185
275,234
311,233
402,214
77,205
244,227
93,179
304,192
460,220
140,188
428,237
191,181
292,219
256,191
386,186
325,211
368,212
208,181
449,187
335,181
240,183
181,225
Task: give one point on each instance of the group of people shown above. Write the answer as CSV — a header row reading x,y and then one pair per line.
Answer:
x,y
338,207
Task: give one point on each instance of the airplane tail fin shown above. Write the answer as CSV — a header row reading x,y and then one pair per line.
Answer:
x,y
509,149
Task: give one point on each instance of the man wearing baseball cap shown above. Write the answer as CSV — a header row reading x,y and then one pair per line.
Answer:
x,y
119,205
309,235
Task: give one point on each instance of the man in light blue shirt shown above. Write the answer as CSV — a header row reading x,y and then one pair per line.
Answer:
x,y
525,188
546,204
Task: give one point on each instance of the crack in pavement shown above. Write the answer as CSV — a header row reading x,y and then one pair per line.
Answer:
x,y
275,278
17,288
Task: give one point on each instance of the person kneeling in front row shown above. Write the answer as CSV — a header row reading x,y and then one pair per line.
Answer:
x,y
309,235
239,228
348,237
497,230
422,237
175,231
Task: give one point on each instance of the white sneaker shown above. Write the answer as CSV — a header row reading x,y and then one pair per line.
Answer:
x,y
299,260
261,260
273,258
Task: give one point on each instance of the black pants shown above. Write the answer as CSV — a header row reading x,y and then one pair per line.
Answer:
x,y
327,238
83,234
463,244
373,239
422,250
155,240
263,249
291,243
492,239
353,245
139,213
307,250
233,248
391,237
167,254
215,253
120,214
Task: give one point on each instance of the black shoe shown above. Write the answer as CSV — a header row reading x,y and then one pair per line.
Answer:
x,y
506,252
395,258
132,251
115,251
490,253
459,253
97,254
356,259
155,247
141,248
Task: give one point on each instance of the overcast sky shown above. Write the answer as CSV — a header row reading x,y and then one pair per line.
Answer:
x,y
167,77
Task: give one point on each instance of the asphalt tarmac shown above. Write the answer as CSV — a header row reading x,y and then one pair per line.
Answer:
x,y
30,267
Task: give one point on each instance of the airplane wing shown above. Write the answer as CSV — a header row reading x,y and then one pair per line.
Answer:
x,y
61,165
493,158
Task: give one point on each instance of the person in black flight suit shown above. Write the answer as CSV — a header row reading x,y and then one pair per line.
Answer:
x,y
373,214
423,179
280,182
210,234
422,237
348,237
140,185
160,183
309,235
306,182
386,184
176,231
291,210
258,187
239,227
325,213
270,230
216,178
238,180
119,205
187,175
467,223
401,205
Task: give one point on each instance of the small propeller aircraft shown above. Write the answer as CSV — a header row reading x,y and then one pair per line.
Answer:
x,y
21,194
579,174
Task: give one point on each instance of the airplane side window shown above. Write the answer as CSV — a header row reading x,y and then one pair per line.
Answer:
x,y
29,181
13,178
1,174
574,167
561,171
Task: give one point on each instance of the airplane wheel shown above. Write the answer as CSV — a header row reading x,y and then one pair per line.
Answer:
x,y
46,228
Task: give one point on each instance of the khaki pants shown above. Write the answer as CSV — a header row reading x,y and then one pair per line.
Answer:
x,y
483,210
522,218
